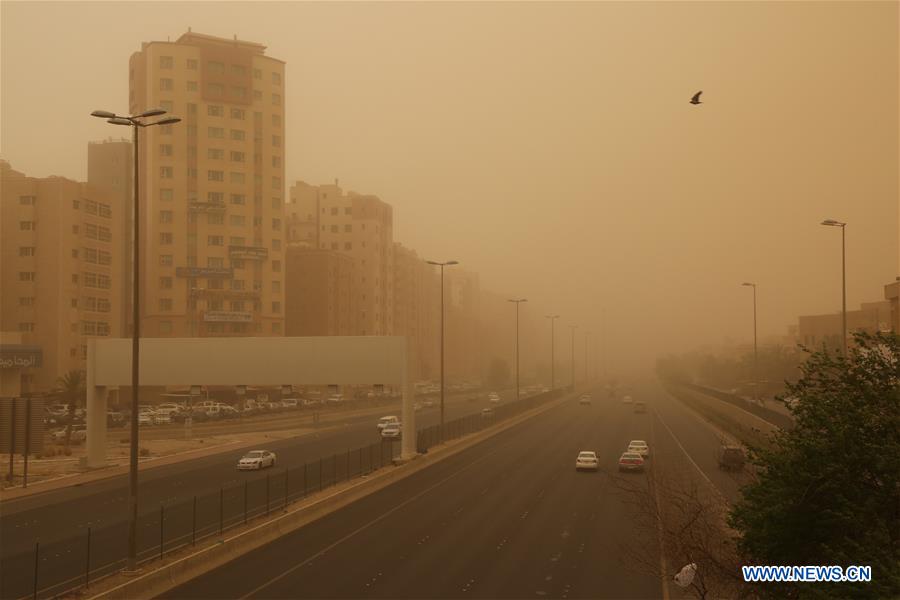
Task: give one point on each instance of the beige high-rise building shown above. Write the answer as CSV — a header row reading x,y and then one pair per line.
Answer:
x,y
60,269
320,293
110,169
360,226
212,187
417,305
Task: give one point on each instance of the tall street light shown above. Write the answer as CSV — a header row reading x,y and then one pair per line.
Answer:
x,y
573,327
517,302
755,352
136,122
833,223
586,335
442,265
552,318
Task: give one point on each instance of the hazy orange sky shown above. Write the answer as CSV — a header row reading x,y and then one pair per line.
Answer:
x,y
550,146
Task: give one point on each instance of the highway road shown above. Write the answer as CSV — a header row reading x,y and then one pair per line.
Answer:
x,y
59,519
507,518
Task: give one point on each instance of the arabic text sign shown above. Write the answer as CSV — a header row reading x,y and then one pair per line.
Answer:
x,y
19,358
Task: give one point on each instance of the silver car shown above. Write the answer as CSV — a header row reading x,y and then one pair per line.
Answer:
x,y
256,460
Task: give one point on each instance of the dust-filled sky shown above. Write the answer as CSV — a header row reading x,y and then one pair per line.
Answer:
x,y
550,146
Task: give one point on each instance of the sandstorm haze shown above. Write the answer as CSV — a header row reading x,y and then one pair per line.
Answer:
x,y
548,147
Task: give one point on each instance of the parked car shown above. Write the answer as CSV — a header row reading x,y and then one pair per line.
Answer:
x,y
731,458
389,420
79,434
639,446
335,398
587,460
631,461
487,412
640,406
115,419
391,431
161,418
146,417
289,403
168,408
256,460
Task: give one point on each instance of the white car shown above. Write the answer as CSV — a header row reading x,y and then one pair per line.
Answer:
x,y
585,399
639,446
161,418
391,431
389,420
494,398
289,403
146,418
428,404
168,408
587,460
255,460
626,399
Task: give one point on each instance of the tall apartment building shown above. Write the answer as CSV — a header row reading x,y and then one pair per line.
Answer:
x,y
320,294
110,169
211,187
360,226
60,249
417,305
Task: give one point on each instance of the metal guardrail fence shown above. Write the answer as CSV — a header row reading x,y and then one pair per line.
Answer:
x,y
56,567
773,417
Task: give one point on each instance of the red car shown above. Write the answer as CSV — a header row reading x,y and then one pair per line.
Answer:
x,y
631,461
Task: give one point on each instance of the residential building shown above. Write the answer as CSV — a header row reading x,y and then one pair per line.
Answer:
x,y
417,305
360,226
892,295
319,292
110,169
815,331
60,266
212,235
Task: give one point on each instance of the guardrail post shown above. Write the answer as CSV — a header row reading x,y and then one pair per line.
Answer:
x,y
194,523
37,552
87,563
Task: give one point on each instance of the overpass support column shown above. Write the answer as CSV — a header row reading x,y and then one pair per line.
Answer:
x,y
96,415
408,435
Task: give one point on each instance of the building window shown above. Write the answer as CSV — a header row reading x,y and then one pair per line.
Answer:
x,y
276,307
215,262
215,89
29,251
257,73
238,92
166,172
215,132
236,305
334,210
215,197
26,301
276,183
166,62
238,178
26,200
238,70
166,216
276,224
238,113
165,260
215,110
237,220
105,210
26,276
191,86
192,64
276,244
348,228
215,153
237,134
215,219
348,246
165,283
276,286
334,229
27,225
75,279
215,175
276,78
237,284
238,199
215,240
276,99
276,327
237,263
26,327
276,120
237,240
166,238
165,304
215,67
237,156
276,162
276,141
165,84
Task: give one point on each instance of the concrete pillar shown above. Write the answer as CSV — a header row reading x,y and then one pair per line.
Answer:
x,y
96,415
408,436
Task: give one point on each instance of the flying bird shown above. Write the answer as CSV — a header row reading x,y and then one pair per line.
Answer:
x,y
696,98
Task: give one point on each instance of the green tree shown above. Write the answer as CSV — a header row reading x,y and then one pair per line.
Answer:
x,y
71,388
498,373
828,490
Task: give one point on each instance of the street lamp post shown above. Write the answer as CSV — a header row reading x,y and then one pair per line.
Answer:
x,y
833,223
552,318
442,265
586,335
755,351
574,327
136,123
517,302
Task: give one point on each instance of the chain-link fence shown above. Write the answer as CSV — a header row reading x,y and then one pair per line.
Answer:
x,y
55,566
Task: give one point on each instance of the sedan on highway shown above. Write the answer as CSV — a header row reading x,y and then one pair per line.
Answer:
x,y
494,398
639,446
385,421
626,399
631,461
587,460
256,460
585,399
391,431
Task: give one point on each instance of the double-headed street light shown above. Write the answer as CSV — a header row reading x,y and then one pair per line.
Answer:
x,y
755,353
449,263
136,123
517,302
833,223
552,318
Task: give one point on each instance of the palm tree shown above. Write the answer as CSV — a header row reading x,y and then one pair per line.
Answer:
x,y
72,389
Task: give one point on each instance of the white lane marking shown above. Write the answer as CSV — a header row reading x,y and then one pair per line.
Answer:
x,y
373,522
663,563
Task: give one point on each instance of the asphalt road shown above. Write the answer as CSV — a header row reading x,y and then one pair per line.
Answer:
x,y
59,520
507,518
